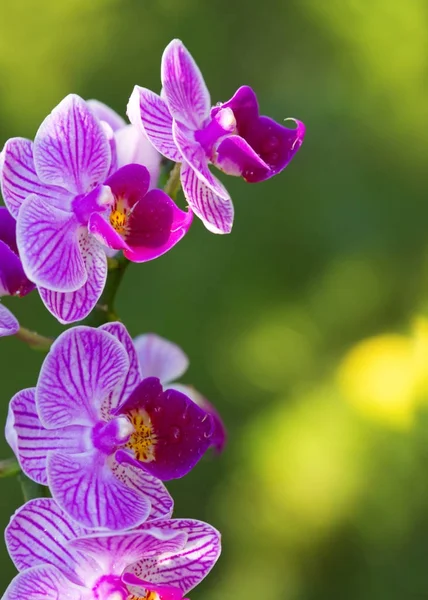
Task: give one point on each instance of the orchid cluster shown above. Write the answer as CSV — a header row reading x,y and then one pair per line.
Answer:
x,y
107,423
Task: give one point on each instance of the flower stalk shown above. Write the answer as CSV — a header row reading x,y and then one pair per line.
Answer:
x,y
104,310
173,184
34,339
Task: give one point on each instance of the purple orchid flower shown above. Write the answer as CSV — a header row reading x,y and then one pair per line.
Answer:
x,y
181,124
102,437
63,189
13,281
57,558
165,360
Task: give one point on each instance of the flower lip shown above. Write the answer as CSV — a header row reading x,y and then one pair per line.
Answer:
x,y
266,147
171,432
144,224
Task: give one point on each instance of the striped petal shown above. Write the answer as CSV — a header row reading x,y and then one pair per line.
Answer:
x,y
194,154
160,358
215,212
19,178
71,149
34,442
187,567
43,583
38,533
114,553
149,112
82,368
184,87
49,245
69,307
160,499
85,487
8,323
133,376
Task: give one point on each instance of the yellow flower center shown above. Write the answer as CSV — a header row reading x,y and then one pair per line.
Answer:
x,y
119,216
142,441
148,596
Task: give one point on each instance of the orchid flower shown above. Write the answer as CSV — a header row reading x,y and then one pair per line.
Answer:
x,y
57,558
232,136
100,435
69,199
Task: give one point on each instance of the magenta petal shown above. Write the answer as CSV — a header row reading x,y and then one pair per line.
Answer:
x,y
187,567
86,488
236,157
133,147
195,156
102,230
130,182
244,105
8,229
71,149
182,430
275,144
83,367
8,323
155,226
164,592
133,376
69,307
44,582
184,87
118,552
219,437
13,281
106,114
149,112
160,358
215,212
34,441
38,533
48,241
19,178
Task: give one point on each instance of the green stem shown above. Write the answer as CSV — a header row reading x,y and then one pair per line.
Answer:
x,y
173,184
8,467
104,310
34,339
31,489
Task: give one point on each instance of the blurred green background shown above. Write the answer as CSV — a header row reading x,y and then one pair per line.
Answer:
x,y
308,326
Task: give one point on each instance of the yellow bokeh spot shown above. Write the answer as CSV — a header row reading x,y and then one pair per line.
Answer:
x,y
304,459
385,377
